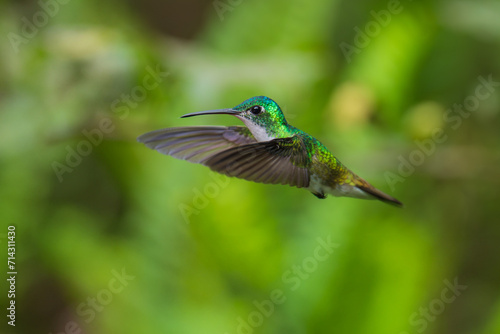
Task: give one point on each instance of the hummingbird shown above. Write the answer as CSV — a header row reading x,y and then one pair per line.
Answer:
x,y
266,150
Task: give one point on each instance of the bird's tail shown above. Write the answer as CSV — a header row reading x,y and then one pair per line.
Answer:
x,y
371,190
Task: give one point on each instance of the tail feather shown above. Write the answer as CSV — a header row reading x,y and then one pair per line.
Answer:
x,y
369,189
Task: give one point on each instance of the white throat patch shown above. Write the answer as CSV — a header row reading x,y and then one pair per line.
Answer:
x,y
257,131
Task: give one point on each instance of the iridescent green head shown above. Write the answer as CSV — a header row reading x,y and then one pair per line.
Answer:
x,y
261,111
261,115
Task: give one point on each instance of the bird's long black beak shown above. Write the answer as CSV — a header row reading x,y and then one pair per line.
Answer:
x,y
213,112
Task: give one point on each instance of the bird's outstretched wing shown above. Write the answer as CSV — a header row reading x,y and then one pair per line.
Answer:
x,y
278,161
196,144
233,151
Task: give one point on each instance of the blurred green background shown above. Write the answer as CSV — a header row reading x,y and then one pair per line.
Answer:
x,y
211,263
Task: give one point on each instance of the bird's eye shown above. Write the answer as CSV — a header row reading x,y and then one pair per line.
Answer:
x,y
256,110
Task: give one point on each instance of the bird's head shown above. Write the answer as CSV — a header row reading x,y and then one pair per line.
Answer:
x,y
261,115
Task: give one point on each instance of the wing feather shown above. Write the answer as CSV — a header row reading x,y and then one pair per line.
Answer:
x,y
196,144
233,151
279,161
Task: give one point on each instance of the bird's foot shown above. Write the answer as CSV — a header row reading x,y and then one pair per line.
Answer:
x,y
320,195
